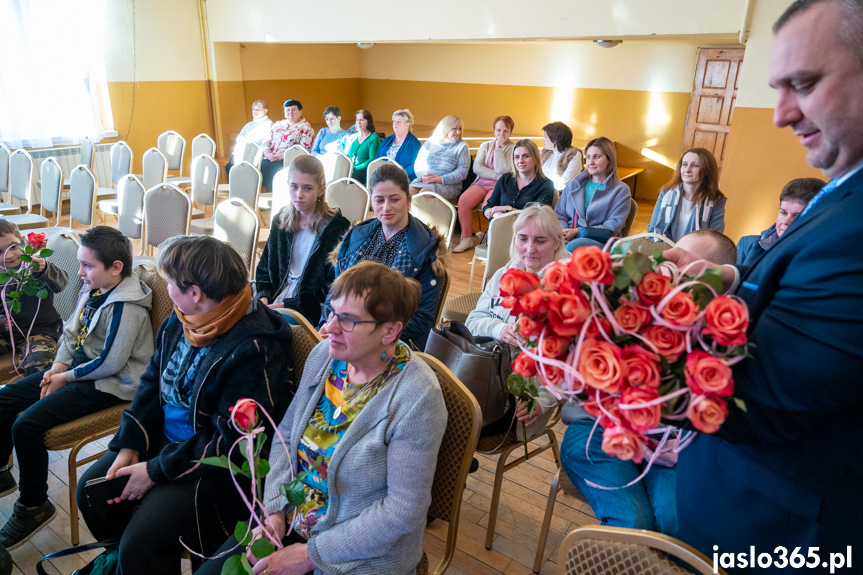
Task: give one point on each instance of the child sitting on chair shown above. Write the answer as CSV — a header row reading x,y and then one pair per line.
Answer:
x,y
104,349
37,326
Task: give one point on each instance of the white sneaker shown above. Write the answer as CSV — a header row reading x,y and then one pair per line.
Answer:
x,y
464,245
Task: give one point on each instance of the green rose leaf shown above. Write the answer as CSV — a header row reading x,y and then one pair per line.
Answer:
x,y
25,258
243,533
16,307
30,289
262,548
45,253
42,293
234,566
294,492
262,467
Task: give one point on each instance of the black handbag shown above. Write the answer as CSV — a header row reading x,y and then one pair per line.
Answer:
x,y
482,364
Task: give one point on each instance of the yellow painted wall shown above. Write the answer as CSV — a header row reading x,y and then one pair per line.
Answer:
x,y
315,95
233,112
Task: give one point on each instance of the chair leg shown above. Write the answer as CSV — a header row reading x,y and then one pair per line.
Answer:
x,y
546,520
73,486
495,494
472,268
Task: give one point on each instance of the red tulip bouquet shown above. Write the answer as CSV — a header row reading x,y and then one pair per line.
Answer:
x,y
641,344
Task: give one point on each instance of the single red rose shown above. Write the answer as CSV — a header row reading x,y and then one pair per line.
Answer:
x,y
643,418
524,365
245,414
632,317
706,374
653,287
556,278
518,282
599,364
707,413
680,309
642,368
623,443
529,327
727,320
555,347
567,312
669,342
591,264
36,240
551,376
535,303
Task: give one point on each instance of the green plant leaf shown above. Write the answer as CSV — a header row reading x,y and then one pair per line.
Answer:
x,y
243,533
16,307
262,548
244,563
262,467
221,461
246,470
14,294
5,277
294,492
233,566
741,405
29,250
243,445
259,443
25,258
42,293
516,384
30,289
45,253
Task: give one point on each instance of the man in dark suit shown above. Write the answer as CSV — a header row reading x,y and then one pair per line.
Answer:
x,y
788,471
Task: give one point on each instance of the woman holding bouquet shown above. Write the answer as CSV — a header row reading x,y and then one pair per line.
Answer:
x,y
368,420
536,242
594,206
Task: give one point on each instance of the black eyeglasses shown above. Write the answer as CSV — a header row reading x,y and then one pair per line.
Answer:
x,y
346,322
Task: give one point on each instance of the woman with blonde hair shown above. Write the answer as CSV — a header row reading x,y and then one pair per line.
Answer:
x,y
594,206
293,271
526,184
443,160
402,146
493,160
691,200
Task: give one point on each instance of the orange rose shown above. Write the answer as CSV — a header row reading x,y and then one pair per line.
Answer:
x,y
529,327
680,309
643,418
623,444
245,414
554,347
599,364
556,278
511,302
632,317
535,303
611,406
727,320
668,342
707,374
593,328
591,264
567,312
641,367
653,287
708,413
524,365
36,240
518,282
553,375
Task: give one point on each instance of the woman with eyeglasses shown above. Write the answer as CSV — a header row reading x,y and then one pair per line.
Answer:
x,y
328,139
374,414
399,241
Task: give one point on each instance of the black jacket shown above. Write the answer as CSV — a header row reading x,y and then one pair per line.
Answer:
x,y
271,274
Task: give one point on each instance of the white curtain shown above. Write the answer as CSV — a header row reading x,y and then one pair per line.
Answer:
x,y
51,63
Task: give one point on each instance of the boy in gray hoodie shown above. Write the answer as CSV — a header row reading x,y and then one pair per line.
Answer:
x,y
105,347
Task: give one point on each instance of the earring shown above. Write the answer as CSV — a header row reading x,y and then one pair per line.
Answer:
x,y
384,356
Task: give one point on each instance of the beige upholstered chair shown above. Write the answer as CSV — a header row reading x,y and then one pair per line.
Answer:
x,y
121,165
306,337
173,145
167,212
82,195
495,252
237,224
464,419
646,242
336,166
435,212
279,198
4,171
603,549
52,185
205,178
377,163
293,152
249,152
20,182
351,197
245,185
130,198
633,211
155,168
202,145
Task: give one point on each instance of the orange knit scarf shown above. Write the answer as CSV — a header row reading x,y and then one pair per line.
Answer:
x,y
201,329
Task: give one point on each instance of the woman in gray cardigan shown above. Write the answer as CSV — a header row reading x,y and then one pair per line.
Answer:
x,y
593,207
375,417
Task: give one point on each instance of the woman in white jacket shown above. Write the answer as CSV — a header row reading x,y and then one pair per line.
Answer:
x,y
536,242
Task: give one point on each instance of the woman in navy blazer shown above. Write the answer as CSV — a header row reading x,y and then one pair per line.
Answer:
x,y
402,146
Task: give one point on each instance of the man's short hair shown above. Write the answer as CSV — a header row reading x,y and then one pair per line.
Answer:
x,y
850,30
801,190
109,245
712,246
206,262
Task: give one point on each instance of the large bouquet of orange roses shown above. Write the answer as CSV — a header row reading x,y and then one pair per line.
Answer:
x,y
641,344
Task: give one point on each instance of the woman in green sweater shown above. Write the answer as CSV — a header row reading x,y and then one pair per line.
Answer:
x,y
363,146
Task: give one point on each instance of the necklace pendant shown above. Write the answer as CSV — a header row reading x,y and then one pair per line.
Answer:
x,y
337,412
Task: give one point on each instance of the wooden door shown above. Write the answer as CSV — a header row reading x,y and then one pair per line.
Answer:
x,y
714,94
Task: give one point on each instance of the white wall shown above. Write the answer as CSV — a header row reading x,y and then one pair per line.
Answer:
x,y
754,89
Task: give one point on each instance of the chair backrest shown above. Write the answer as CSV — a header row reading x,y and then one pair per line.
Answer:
x,y
236,224
245,183
351,197
145,269
4,168
251,153
604,549
435,212
51,174
336,166
65,244
306,337
173,145
293,152
463,422
130,206
645,242
21,176
82,195
121,161
167,211
377,163
155,166
205,179
203,144
444,290
281,192
633,210
500,232
88,152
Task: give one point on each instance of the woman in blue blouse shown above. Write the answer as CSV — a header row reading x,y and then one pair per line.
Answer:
x,y
402,146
